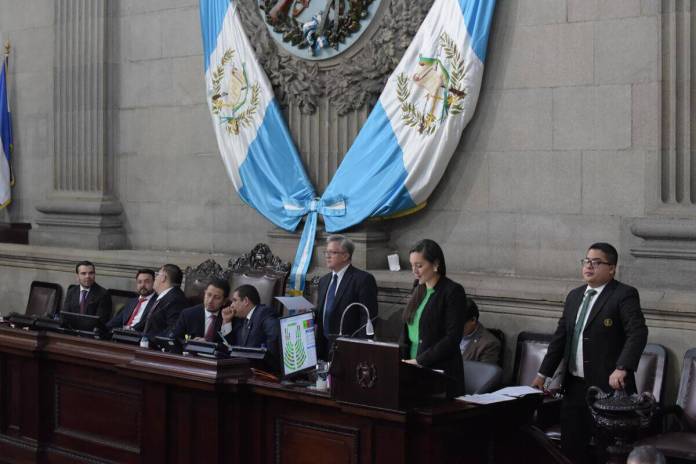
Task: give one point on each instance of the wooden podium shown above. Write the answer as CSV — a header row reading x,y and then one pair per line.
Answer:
x,y
369,373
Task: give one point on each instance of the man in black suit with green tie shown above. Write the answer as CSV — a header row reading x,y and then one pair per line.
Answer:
x,y
599,339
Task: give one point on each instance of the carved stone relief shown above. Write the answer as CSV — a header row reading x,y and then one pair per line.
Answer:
x,y
353,79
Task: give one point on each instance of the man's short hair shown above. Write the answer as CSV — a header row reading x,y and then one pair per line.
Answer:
x,y
221,284
150,272
646,455
344,242
606,248
248,291
174,274
84,263
471,310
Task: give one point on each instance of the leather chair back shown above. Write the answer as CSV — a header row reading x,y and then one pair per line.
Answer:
x,y
650,375
481,377
500,335
44,298
531,349
119,298
268,286
686,398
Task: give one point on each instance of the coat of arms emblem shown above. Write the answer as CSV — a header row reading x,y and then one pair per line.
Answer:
x,y
233,99
317,29
440,91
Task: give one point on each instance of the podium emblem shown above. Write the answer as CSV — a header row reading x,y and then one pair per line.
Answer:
x,y
365,374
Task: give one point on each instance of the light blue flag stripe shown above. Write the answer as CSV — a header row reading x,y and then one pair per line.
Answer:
x,y
270,181
375,154
477,17
212,17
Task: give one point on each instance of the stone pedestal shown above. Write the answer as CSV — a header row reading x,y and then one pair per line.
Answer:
x,y
81,210
371,246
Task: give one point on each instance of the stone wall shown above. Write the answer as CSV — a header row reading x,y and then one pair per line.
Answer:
x,y
582,133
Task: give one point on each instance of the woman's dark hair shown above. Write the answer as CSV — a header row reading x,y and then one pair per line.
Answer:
x,y
433,254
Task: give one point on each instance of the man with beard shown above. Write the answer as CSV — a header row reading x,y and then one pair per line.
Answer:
x,y
88,297
133,314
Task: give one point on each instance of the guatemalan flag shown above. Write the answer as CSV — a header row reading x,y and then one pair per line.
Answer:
x,y
6,177
407,141
253,138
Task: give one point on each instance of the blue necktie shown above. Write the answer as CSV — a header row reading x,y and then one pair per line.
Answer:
x,y
328,308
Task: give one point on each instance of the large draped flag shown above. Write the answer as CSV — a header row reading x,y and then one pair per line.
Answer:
x,y
6,177
400,153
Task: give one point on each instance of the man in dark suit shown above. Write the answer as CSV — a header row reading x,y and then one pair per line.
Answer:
x,y
204,321
88,297
253,324
600,338
163,315
345,284
133,312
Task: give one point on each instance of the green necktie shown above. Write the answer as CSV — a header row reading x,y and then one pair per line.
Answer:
x,y
579,325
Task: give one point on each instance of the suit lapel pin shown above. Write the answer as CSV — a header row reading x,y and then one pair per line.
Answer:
x,y
608,322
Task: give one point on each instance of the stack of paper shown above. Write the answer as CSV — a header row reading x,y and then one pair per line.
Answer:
x,y
504,394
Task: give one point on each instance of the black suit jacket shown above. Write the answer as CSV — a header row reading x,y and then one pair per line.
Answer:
x,y
120,319
614,335
263,330
440,331
98,301
163,316
191,322
356,286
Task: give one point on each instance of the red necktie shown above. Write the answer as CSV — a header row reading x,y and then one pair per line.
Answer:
x,y
210,331
135,312
83,301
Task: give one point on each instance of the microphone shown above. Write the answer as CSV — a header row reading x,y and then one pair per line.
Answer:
x,y
224,341
362,327
369,328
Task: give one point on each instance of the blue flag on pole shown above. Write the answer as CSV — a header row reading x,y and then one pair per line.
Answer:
x,y
6,178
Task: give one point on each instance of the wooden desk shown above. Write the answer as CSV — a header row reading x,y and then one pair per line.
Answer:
x,y
66,399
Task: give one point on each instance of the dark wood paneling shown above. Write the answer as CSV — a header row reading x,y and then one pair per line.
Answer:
x,y
68,400
109,422
310,443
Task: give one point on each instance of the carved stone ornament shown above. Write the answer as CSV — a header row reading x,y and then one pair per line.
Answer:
x,y
351,80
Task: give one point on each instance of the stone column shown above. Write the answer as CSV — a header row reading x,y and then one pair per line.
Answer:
x,y
664,242
81,210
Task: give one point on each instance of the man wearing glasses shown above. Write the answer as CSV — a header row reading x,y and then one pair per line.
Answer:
x,y
345,284
599,339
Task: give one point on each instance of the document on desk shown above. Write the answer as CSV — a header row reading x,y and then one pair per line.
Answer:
x,y
519,391
504,394
485,398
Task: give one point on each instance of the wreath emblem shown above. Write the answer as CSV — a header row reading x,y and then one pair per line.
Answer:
x,y
442,85
232,99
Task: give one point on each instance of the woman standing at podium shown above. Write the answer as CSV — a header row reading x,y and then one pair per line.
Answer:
x,y
433,317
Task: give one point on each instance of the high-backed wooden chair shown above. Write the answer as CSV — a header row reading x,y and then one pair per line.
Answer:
x,y
44,298
263,270
259,268
196,279
530,352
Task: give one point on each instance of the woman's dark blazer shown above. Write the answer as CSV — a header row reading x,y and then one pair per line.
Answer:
x,y
440,331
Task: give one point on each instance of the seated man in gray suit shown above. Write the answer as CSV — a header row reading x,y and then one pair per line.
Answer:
x,y
478,344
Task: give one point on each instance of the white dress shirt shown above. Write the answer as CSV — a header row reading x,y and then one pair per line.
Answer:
x,y
580,371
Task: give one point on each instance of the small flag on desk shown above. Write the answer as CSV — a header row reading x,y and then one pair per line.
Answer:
x,y
6,177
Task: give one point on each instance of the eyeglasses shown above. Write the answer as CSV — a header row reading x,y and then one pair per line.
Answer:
x,y
328,253
593,263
